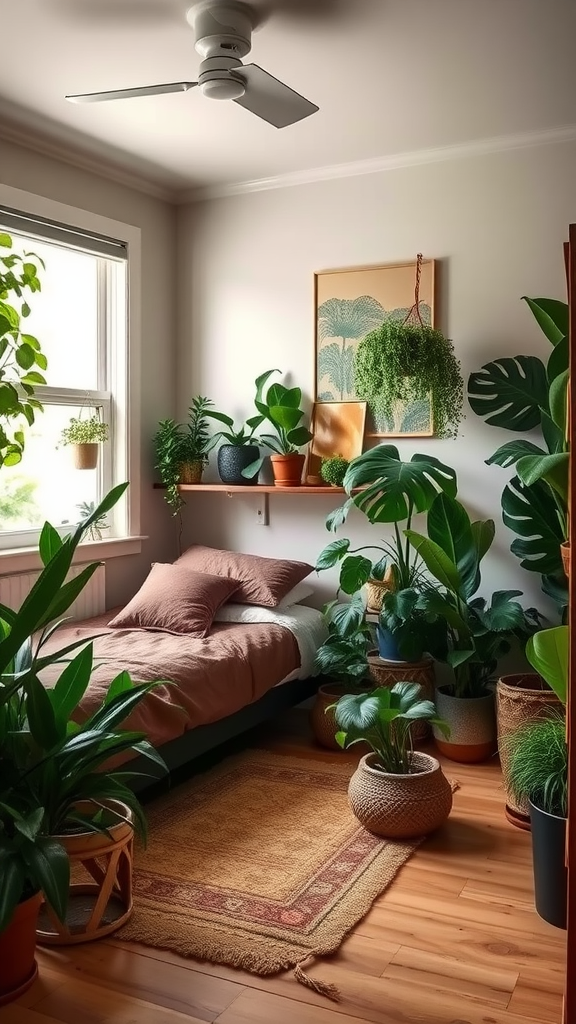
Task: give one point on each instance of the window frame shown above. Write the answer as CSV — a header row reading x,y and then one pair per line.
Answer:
x,y
123,399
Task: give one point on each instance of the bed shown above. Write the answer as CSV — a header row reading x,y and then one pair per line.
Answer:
x,y
221,685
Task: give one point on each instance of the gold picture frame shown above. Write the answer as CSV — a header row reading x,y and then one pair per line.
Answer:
x,y
354,301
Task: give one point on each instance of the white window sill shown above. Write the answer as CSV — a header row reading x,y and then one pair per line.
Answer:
x,y
13,560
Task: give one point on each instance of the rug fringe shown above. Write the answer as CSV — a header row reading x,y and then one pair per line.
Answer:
x,y
321,987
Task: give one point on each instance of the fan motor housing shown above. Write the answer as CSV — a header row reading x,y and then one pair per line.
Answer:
x,y
221,29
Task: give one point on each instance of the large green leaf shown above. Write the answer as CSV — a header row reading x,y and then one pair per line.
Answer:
x,y
558,400
559,360
548,653
355,572
551,316
332,553
284,416
72,684
361,711
49,866
449,526
392,489
504,614
436,561
510,392
508,454
483,532
553,469
50,542
532,514
349,617
41,719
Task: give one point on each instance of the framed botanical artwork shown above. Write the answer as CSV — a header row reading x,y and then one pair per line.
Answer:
x,y
337,429
351,304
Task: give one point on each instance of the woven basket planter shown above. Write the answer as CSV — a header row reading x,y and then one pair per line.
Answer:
x,y
85,456
520,699
191,472
102,901
400,806
376,591
324,724
388,673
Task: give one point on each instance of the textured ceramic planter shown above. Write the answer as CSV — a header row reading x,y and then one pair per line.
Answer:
x,y
191,472
18,969
287,470
472,722
520,699
232,459
550,872
85,456
400,806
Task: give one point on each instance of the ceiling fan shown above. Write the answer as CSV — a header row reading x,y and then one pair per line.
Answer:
x,y
223,35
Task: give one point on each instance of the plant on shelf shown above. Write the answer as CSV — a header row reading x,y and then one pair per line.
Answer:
x,y
181,450
333,470
21,357
538,773
84,436
395,791
410,369
281,407
479,632
239,451
50,761
96,526
522,394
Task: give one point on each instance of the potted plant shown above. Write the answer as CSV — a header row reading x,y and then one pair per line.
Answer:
x,y
342,660
196,443
522,394
241,448
98,525
22,356
538,773
396,791
49,762
281,407
84,436
478,631
168,449
400,363
333,470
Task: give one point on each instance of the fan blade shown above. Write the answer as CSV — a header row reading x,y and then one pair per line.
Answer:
x,y
127,94
270,99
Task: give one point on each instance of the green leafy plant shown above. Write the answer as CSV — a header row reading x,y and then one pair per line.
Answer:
x,y
382,718
416,629
85,431
21,357
406,363
521,394
548,652
49,762
538,765
281,407
176,444
333,470
478,632
98,525
238,437
196,443
344,654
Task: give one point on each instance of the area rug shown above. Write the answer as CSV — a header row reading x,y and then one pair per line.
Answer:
x,y
259,864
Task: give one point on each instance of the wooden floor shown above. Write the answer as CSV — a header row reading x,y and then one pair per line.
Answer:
x,y
454,940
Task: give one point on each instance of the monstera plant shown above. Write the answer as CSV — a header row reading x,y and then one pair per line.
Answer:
x,y
522,394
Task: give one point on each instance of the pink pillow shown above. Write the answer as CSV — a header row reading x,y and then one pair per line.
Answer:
x,y
263,581
175,599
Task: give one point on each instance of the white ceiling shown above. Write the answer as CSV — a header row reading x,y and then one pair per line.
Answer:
x,y
390,76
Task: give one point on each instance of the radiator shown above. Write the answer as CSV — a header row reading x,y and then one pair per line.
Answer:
x,y
14,589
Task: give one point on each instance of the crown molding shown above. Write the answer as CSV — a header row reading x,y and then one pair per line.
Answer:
x,y
84,160
393,162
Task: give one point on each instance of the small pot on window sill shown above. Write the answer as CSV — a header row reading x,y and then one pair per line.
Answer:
x,y
85,456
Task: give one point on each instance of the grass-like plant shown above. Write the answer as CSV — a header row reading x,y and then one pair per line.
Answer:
x,y
382,719
85,431
538,768
333,470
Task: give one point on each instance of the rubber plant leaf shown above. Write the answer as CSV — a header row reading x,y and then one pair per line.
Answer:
x,y
449,527
553,469
551,316
548,653
436,561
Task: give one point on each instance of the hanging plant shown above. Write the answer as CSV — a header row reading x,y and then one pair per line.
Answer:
x,y
407,363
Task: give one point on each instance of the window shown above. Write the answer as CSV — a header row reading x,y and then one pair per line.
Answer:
x,y
81,319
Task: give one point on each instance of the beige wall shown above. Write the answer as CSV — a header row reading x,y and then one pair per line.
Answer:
x,y
21,168
495,223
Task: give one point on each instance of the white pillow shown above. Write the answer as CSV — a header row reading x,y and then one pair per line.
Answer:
x,y
231,612
298,593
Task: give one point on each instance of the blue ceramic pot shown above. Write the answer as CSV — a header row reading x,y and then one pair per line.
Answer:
x,y
387,646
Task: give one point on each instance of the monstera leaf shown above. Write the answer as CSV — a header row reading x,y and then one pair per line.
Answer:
x,y
510,392
392,489
531,512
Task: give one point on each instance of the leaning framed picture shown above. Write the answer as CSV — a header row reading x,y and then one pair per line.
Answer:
x,y
349,304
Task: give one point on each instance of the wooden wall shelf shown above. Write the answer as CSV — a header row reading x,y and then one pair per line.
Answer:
x,y
256,489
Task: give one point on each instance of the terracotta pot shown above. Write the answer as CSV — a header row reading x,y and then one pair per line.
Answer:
x,y
324,724
472,722
102,902
287,469
565,552
400,806
520,699
18,967
191,472
85,456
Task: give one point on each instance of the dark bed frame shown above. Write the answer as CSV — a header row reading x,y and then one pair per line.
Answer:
x,y
188,748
